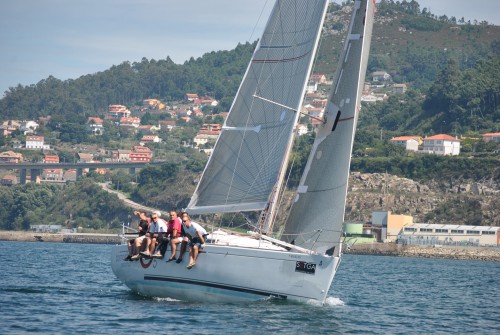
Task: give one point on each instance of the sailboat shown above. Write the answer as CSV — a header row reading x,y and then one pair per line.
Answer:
x,y
247,168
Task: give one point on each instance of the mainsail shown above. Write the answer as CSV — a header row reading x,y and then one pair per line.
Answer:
x,y
251,149
316,219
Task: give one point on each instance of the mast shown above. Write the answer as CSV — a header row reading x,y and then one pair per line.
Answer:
x,y
317,215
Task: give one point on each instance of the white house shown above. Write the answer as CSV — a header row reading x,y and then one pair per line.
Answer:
x,y
380,76
28,126
301,129
410,143
442,144
36,142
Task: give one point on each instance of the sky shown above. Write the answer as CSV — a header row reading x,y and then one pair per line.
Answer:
x,y
71,38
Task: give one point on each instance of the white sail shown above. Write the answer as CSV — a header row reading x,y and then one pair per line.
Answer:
x,y
317,215
252,146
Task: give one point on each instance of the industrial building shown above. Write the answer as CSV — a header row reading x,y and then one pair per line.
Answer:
x,y
424,233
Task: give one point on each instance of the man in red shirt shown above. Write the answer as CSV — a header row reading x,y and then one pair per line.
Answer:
x,y
174,232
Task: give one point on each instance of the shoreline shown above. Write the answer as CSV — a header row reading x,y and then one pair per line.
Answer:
x,y
491,254
23,236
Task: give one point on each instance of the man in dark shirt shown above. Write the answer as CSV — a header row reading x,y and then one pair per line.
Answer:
x,y
135,245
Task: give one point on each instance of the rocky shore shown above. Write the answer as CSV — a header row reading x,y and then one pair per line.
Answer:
x,y
446,252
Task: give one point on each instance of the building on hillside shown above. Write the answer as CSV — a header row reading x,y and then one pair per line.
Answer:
x,y
311,87
206,137
380,76
192,97
167,125
319,103
148,129
85,158
439,234
118,111
391,224
374,97
301,129
318,78
133,122
95,125
28,126
11,157
8,180
491,137
70,175
149,139
410,143
314,112
140,154
36,142
206,101
197,113
53,174
441,144
211,127
399,88
121,155
51,159
153,104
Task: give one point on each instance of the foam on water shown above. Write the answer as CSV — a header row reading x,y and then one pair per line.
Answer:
x,y
164,299
330,301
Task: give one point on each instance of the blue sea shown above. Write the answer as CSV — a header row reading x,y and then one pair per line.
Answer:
x,y
58,288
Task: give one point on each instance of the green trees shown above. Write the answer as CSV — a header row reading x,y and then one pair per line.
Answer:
x,y
80,204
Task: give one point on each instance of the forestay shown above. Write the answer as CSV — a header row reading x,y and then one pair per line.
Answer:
x,y
251,149
317,215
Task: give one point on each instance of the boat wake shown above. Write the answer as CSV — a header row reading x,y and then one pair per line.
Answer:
x,y
330,301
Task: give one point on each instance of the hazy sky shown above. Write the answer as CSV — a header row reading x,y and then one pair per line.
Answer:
x,y
70,38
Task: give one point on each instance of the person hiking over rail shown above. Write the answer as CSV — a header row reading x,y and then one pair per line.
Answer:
x,y
196,235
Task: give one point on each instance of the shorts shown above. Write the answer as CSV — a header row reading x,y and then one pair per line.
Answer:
x,y
140,238
179,239
196,241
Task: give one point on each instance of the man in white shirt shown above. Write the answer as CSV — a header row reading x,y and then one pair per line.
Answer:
x,y
196,235
157,229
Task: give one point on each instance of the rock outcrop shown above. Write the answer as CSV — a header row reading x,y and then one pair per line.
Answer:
x,y
378,191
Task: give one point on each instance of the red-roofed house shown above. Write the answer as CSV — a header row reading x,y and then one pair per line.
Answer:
x,y
118,111
95,125
318,78
442,144
130,122
410,143
51,159
148,129
491,137
150,139
192,97
140,154
8,180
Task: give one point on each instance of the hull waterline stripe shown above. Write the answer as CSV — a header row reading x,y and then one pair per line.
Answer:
x,y
219,286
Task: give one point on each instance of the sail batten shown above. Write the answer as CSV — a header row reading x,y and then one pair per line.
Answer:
x,y
252,147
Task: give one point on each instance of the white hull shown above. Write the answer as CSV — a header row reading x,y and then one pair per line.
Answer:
x,y
230,274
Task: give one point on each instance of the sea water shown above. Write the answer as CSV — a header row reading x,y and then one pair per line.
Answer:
x,y
58,288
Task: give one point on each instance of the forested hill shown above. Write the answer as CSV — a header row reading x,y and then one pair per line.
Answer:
x,y
451,61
